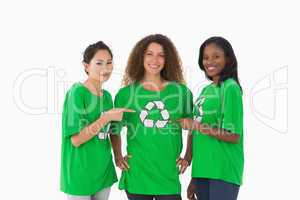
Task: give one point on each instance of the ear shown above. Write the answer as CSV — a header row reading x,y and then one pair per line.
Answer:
x,y
86,67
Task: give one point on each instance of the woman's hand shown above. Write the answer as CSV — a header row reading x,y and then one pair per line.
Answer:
x,y
183,163
122,162
191,191
116,114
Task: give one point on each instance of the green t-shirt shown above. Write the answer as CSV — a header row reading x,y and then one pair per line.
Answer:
x,y
88,168
153,138
213,158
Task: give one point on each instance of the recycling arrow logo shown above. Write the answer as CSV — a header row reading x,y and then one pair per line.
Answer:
x,y
199,110
150,123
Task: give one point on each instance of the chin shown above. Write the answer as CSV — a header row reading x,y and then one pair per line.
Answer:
x,y
103,79
211,74
153,71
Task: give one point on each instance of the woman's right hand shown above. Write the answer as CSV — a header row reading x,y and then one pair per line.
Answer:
x,y
116,114
122,162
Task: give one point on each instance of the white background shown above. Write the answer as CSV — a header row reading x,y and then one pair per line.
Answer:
x,y
41,47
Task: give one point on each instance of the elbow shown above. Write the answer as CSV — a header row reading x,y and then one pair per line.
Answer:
x,y
74,142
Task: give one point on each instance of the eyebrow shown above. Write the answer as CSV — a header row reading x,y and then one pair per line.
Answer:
x,y
103,60
153,52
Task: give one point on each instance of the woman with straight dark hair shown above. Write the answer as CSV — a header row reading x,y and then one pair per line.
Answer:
x,y
87,170
217,127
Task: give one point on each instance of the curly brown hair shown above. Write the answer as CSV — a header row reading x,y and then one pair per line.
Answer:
x,y
172,70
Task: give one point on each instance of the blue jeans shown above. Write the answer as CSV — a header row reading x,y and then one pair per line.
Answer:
x,y
212,189
151,197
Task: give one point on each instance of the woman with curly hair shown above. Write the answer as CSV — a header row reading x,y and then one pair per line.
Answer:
x,y
153,87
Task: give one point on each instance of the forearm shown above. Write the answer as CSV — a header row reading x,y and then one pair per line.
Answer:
x,y
89,132
219,134
116,145
189,148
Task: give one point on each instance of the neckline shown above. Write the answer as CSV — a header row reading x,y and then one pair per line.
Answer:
x,y
223,82
153,91
87,89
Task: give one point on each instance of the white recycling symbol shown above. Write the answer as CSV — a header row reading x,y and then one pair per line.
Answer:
x,y
150,123
199,104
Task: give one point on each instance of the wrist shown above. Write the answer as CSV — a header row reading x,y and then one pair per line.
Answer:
x,y
104,119
188,158
118,157
101,122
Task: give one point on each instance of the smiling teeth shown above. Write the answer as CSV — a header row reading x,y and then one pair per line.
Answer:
x,y
153,66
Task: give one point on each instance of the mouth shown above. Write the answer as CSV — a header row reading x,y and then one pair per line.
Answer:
x,y
151,66
211,68
105,74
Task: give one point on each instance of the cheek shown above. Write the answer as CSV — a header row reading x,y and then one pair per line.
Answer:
x,y
147,60
93,70
222,63
162,61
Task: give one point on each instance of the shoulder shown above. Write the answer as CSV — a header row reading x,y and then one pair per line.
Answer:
x,y
230,85
126,90
76,90
75,95
180,87
210,88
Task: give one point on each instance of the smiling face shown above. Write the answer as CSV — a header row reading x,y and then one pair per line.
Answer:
x,y
100,66
154,59
214,60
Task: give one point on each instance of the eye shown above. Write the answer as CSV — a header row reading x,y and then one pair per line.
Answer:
x,y
109,62
162,55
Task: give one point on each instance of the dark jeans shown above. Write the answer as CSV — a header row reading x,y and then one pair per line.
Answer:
x,y
212,189
151,197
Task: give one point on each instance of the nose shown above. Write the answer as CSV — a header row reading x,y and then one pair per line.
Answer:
x,y
209,61
156,59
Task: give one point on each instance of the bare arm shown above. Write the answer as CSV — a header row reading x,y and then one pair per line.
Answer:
x,y
116,145
217,133
90,131
121,162
189,148
220,134
186,161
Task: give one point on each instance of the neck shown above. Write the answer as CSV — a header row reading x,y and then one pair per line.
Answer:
x,y
94,86
153,82
216,79
155,79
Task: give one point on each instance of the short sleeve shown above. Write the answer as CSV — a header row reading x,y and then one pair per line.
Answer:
x,y
188,104
116,127
232,119
109,100
73,113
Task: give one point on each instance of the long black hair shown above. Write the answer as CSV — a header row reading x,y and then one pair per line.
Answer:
x,y
230,70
